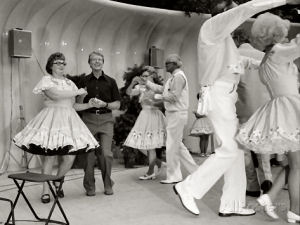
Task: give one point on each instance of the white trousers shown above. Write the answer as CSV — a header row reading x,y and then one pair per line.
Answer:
x,y
228,161
176,152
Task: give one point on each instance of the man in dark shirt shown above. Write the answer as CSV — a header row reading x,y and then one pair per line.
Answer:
x,y
99,120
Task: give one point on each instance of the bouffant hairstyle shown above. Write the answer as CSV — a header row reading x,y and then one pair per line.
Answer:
x,y
269,29
152,71
53,57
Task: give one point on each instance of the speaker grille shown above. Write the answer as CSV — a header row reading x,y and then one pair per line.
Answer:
x,y
156,57
19,43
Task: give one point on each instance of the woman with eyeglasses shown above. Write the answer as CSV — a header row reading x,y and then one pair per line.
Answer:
x,y
149,130
57,129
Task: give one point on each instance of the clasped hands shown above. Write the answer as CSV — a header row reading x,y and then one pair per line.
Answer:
x,y
96,103
93,102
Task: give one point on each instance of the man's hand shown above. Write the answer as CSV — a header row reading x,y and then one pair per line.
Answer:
x,y
293,2
92,103
98,103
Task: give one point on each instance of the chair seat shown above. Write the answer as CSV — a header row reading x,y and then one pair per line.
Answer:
x,y
34,177
20,179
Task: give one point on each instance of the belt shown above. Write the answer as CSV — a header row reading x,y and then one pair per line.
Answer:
x,y
99,111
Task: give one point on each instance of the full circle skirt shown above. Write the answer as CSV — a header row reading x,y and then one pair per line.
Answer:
x,y
56,131
274,127
201,126
149,130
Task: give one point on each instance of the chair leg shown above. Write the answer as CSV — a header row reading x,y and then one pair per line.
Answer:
x,y
11,211
11,214
26,200
56,202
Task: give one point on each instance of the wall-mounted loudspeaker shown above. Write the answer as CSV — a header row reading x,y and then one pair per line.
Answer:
x,y
156,57
19,43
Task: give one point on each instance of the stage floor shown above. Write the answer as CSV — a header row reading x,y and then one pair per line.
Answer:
x,y
135,202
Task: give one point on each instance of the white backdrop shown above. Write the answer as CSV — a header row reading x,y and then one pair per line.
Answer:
x,y
122,32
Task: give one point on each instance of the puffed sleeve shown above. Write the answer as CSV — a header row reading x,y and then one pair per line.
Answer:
x,y
73,85
287,52
44,84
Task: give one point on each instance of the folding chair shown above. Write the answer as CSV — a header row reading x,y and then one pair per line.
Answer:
x,y
11,211
38,178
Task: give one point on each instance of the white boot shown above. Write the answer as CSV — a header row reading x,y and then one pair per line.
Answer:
x,y
269,208
293,217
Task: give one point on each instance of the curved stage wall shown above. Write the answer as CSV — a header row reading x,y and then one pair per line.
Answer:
x,y
124,33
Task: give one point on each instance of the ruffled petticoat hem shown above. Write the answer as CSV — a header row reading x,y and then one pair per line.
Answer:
x,y
55,142
148,141
198,132
276,143
66,150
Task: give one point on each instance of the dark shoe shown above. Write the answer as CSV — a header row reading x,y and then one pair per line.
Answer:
x,y
60,193
255,194
109,191
45,198
169,181
266,186
90,193
240,212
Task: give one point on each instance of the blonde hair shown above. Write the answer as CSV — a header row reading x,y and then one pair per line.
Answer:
x,y
269,29
174,58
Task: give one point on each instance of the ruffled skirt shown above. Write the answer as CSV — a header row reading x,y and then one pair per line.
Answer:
x,y
201,126
274,127
56,131
149,130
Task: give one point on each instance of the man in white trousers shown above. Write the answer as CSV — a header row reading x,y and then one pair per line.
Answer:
x,y
175,95
220,68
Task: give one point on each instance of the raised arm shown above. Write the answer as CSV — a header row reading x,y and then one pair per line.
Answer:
x,y
131,90
222,25
155,87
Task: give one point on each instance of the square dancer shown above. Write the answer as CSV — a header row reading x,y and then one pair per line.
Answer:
x,y
220,66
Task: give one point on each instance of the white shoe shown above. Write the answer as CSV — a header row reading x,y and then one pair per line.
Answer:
x,y
186,199
148,177
269,208
239,212
293,217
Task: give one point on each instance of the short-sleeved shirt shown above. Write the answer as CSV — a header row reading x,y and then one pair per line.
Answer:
x,y
104,88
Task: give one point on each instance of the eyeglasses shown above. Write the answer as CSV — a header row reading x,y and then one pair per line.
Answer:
x,y
167,63
60,63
